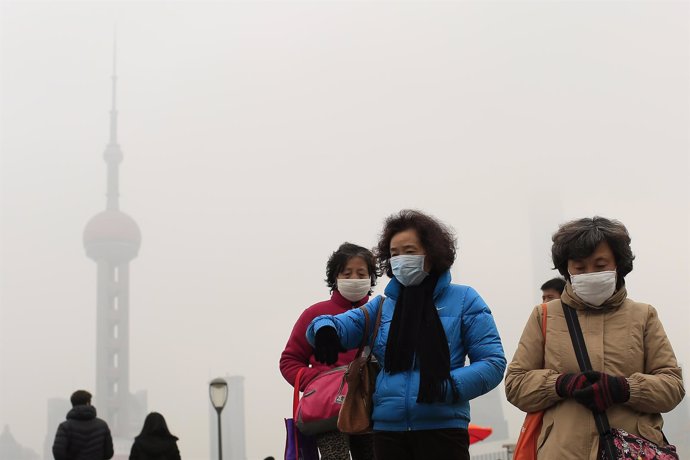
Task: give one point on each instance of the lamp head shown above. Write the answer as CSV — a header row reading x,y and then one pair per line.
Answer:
x,y
218,392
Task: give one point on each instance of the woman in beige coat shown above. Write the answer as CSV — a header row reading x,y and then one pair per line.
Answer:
x,y
636,374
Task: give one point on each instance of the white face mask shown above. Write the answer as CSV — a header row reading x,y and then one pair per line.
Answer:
x,y
408,269
353,290
594,288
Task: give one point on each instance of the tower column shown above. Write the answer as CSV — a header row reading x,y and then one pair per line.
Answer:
x,y
112,239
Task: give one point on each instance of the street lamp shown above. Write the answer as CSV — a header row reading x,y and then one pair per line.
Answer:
x,y
218,391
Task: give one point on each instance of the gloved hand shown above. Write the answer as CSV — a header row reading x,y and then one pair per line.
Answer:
x,y
603,392
566,384
327,345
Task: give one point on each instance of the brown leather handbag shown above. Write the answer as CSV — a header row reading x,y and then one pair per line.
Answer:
x,y
355,413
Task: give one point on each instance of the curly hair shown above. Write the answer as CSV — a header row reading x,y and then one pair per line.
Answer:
x,y
579,238
437,239
339,259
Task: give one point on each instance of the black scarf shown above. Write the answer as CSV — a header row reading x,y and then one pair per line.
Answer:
x,y
416,330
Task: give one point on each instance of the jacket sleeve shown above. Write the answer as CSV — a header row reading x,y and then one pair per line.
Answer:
x,y
108,451
660,387
528,386
484,349
348,325
61,442
297,353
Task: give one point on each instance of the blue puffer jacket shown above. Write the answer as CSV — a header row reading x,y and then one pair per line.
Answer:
x,y
471,332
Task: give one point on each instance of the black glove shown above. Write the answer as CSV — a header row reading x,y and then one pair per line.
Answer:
x,y
604,391
327,345
567,384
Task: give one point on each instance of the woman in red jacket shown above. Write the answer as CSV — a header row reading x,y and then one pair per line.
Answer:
x,y
350,274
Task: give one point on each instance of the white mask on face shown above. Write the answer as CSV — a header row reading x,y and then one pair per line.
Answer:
x,y
594,288
353,290
408,269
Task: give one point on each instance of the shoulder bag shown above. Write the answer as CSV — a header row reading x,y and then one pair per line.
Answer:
x,y
526,447
317,410
297,445
355,413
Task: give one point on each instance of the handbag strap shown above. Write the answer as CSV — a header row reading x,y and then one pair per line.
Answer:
x,y
376,325
295,403
367,322
602,421
543,334
295,392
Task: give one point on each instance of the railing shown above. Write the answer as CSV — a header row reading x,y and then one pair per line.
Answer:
x,y
506,454
500,455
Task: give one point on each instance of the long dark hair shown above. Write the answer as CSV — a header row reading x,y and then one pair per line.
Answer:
x,y
154,425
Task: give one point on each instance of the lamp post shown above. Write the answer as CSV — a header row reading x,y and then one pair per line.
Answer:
x,y
218,392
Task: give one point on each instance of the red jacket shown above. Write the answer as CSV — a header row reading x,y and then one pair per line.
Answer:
x,y
298,353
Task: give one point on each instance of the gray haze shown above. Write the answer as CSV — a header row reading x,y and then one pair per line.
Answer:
x,y
259,136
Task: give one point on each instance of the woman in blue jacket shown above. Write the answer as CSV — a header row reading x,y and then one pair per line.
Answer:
x,y
428,327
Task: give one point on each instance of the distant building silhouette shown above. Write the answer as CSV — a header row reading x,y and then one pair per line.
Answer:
x,y
545,215
487,410
57,410
10,449
232,422
112,240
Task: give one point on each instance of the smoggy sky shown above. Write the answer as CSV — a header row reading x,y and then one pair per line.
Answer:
x,y
258,136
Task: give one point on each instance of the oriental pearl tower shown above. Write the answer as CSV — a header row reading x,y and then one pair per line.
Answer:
x,y
112,239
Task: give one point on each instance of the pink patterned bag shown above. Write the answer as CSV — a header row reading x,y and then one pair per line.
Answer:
x,y
317,411
629,446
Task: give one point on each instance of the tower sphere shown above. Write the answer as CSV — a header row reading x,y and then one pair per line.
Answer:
x,y
112,235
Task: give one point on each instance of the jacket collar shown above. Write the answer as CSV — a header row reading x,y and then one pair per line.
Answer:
x,y
82,412
615,301
393,288
338,299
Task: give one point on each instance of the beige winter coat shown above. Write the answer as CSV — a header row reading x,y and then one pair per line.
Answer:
x,y
623,337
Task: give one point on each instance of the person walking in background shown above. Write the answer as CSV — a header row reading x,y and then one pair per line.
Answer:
x,y
83,436
552,289
429,326
635,374
350,275
155,441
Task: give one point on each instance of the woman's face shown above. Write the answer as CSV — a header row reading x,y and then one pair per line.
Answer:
x,y
407,243
602,259
355,268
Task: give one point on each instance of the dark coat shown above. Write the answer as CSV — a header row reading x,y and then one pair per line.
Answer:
x,y
151,447
83,436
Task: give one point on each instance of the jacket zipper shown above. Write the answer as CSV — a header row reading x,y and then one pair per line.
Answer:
x,y
407,395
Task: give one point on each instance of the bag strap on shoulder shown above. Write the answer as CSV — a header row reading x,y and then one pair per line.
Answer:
x,y
367,324
378,323
602,421
543,334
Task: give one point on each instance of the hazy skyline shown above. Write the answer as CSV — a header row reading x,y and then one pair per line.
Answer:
x,y
258,136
